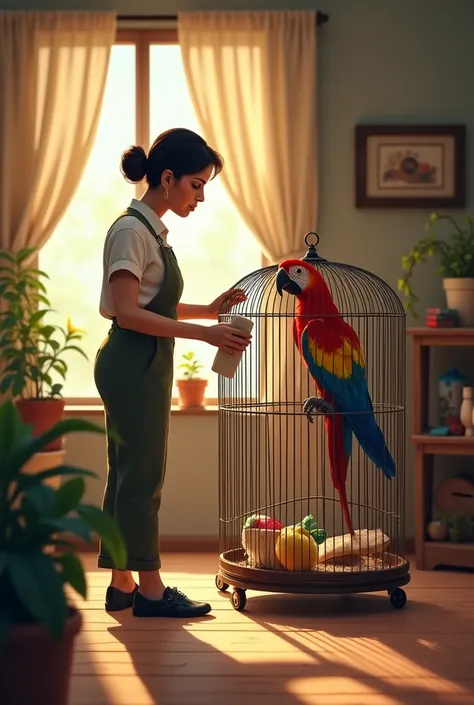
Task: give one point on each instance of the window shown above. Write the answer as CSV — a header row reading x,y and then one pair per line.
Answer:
x,y
214,247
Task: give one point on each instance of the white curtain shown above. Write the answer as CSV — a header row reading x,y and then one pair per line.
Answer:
x,y
252,77
53,69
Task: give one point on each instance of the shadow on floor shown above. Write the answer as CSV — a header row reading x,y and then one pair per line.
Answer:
x,y
349,650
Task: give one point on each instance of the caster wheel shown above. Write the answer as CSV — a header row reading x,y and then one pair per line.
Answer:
x,y
220,584
398,598
239,599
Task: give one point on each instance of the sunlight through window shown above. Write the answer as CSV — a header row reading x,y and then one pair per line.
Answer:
x,y
214,247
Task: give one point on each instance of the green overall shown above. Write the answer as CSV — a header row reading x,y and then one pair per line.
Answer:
x,y
134,376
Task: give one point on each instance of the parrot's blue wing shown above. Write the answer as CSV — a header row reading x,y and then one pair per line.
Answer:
x,y
338,366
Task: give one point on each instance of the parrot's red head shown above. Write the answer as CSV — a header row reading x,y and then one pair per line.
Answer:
x,y
300,278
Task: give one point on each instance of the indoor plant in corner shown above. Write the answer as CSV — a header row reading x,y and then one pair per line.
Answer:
x,y
32,350
456,256
37,624
191,387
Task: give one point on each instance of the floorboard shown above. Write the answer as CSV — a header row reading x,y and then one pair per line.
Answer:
x,y
283,649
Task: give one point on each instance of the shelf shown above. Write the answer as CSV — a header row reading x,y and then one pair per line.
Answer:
x,y
437,553
444,445
441,337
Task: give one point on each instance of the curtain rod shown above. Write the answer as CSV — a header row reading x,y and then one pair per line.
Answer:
x,y
321,18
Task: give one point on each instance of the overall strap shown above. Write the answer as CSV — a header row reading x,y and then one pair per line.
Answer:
x,y
144,221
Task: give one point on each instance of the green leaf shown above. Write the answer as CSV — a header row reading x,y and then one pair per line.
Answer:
x,y
60,429
24,253
19,384
26,480
13,434
39,273
47,331
4,254
73,572
70,525
39,588
107,529
38,315
42,498
76,349
54,345
6,383
68,496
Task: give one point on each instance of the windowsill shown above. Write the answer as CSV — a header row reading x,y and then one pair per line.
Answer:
x,y
98,410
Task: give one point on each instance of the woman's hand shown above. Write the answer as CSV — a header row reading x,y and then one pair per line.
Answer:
x,y
227,338
225,302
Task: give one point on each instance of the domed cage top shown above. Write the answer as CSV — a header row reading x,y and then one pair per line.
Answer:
x,y
314,416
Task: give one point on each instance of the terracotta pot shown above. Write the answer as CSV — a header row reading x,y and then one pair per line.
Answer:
x,y
42,414
191,392
460,296
44,661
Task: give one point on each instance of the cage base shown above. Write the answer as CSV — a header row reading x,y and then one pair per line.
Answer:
x,y
241,578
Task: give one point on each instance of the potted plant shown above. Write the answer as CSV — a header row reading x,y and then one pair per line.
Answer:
x,y
37,567
456,255
191,387
32,349
460,527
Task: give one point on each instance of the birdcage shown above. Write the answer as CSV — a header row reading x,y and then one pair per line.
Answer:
x,y
313,416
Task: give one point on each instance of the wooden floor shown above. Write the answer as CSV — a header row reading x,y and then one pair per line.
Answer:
x,y
283,650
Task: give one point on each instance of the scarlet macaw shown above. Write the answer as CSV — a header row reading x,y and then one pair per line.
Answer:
x,y
332,352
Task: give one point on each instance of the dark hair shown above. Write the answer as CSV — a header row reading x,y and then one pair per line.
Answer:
x,y
180,150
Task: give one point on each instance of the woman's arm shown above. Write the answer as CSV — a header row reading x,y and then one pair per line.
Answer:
x,y
223,303
124,287
194,312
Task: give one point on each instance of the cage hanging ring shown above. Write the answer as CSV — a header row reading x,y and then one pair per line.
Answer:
x,y
316,237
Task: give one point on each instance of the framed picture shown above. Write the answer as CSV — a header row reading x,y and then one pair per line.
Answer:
x,y
410,166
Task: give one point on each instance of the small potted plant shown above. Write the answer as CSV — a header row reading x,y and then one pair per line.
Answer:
x,y
32,349
460,528
39,565
456,255
191,387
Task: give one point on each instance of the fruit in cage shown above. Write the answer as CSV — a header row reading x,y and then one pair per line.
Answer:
x,y
308,523
331,350
261,521
296,549
259,536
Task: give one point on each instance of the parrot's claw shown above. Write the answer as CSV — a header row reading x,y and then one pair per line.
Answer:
x,y
313,405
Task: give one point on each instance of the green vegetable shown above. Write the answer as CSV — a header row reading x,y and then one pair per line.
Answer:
x,y
308,523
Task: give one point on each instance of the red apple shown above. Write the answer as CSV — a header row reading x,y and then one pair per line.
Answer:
x,y
268,524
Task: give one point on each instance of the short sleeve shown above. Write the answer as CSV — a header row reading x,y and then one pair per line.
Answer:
x,y
126,250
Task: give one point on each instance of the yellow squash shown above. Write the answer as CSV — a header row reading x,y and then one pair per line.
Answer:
x,y
296,549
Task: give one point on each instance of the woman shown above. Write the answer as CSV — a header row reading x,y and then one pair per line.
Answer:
x,y
141,290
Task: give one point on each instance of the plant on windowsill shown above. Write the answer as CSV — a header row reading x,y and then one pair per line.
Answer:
x,y
456,255
32,350
191,386
39,563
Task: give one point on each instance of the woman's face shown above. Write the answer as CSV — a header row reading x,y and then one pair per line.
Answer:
x,y
185,194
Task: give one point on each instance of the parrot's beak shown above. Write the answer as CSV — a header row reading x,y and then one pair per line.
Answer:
x,y
285,283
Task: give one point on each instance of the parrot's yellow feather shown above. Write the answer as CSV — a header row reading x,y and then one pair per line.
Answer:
x,y
340,362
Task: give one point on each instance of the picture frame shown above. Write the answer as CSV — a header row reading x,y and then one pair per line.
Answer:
x,y
410,166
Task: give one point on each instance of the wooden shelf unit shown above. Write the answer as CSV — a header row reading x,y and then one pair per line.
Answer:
x,y
430,554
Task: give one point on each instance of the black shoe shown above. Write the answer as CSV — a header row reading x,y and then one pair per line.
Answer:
x,y
173,604
116,600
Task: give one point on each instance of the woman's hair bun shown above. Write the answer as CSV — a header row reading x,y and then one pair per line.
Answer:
x,y
133,164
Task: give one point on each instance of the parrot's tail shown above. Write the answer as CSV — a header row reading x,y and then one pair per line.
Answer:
x,y
339,435
372,441
345,508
